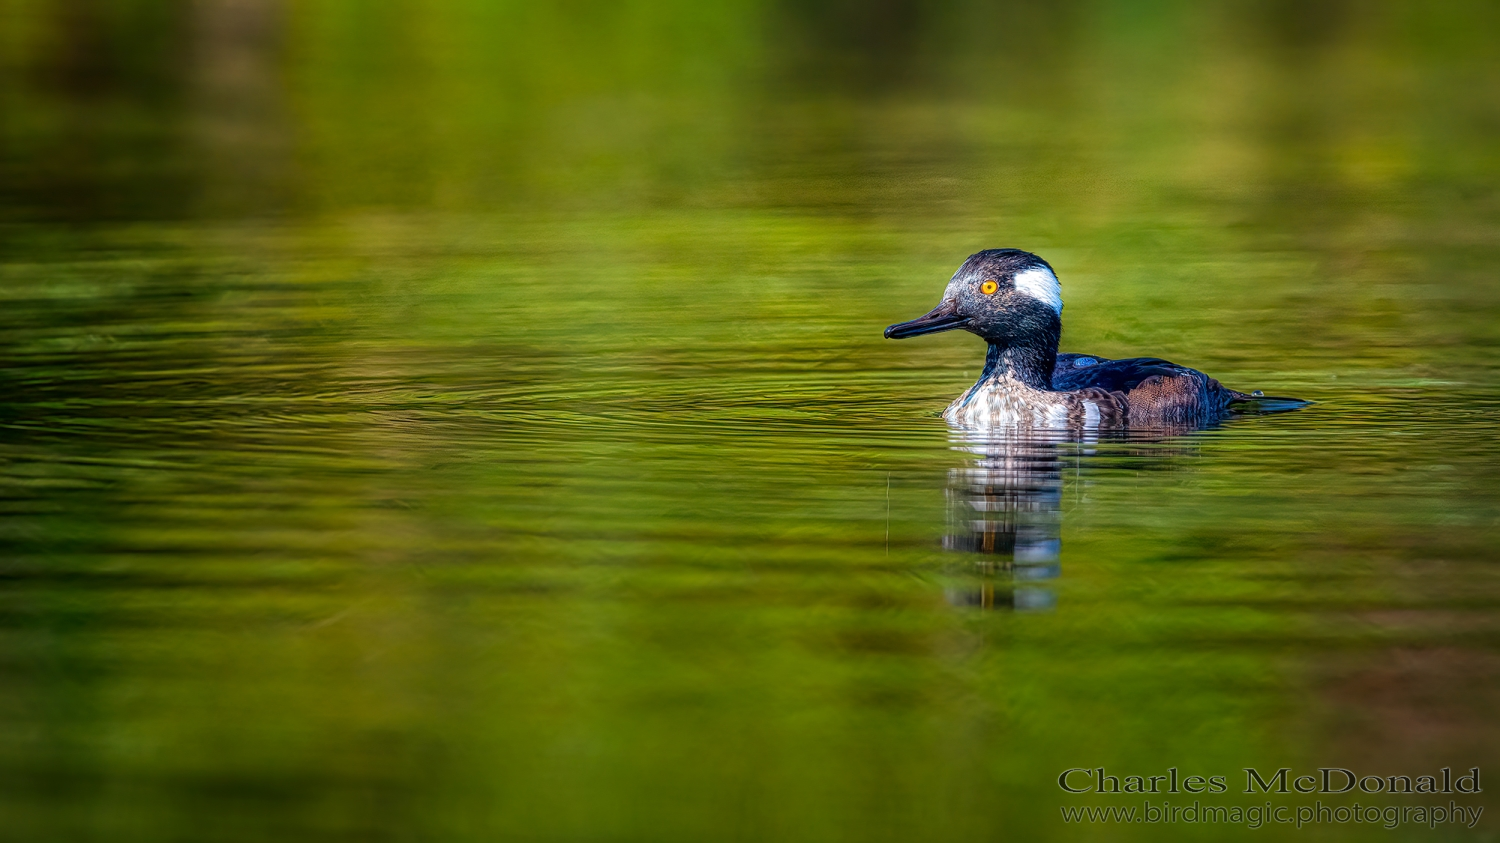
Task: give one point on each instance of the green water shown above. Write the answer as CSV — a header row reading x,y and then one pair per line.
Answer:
x,y
471,422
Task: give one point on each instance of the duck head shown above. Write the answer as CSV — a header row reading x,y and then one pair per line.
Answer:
x,y
1007,296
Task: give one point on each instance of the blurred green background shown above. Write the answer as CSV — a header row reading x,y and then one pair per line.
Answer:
x,y
470,420
1066,111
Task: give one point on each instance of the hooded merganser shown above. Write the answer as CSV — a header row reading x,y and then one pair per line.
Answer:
x,y
1012,299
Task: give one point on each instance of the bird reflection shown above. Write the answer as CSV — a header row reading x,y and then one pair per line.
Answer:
x,y
1005,508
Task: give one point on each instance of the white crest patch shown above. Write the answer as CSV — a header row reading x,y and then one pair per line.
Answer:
x,y
1041,284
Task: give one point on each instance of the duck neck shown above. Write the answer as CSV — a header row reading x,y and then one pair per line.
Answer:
x,y
1029,364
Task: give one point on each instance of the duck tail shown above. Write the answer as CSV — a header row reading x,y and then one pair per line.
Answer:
x,y
1259,403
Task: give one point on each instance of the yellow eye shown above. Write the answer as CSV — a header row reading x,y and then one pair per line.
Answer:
x,y
989,288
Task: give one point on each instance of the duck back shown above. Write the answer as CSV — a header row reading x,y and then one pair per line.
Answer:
x,y
1150,390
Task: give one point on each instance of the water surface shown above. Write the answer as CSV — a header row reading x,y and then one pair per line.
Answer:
x,y
406,438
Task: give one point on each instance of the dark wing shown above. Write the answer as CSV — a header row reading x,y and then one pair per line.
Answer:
x,y
1157,391
1068,363
1115,375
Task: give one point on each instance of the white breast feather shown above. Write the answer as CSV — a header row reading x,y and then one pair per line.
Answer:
x,y
987,406
1041,284
1090,415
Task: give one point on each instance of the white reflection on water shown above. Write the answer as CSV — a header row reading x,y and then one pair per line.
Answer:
x,y
1005,506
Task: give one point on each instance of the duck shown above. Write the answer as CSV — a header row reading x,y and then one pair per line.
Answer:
x,y
1013,300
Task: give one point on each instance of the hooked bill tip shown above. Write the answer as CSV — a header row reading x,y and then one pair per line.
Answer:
x,y
929,324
